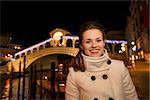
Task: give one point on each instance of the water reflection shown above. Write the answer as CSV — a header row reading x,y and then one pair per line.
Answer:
x,y
5,88
46,92
5,85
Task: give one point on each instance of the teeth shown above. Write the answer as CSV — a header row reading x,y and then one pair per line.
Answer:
x,y
94,50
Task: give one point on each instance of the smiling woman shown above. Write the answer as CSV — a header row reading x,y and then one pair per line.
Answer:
x,y
93,75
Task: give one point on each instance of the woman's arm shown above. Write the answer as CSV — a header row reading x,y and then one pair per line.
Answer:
x,y
128,86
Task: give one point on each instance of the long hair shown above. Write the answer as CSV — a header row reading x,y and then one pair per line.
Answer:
x,y
77,62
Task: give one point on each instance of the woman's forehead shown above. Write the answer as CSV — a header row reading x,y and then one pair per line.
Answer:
x,y
92,33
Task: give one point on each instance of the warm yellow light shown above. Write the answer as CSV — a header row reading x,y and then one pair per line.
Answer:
x,y
122,45
132,42
15,47
123,48
57,35
45,77
19,47
60,64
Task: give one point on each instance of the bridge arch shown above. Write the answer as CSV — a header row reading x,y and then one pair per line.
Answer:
x,y
41,53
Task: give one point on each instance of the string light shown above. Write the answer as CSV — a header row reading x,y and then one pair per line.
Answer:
x,y
116,41
44,42
34,46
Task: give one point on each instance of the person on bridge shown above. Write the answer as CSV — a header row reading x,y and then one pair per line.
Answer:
x,y
93,75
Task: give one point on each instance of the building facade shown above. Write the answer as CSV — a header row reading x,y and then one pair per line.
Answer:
x,y
137,30
7,48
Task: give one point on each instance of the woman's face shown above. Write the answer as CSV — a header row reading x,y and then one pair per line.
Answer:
x,y
92,43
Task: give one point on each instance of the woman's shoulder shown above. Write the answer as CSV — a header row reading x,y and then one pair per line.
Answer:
x,y
118,67
72,72
71,69
115,61
119,64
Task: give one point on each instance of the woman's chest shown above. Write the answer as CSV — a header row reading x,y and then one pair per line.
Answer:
x,y
99,82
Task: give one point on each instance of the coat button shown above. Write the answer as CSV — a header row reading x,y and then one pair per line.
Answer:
x,y
105,76
95,99
109,62
110,98
93,78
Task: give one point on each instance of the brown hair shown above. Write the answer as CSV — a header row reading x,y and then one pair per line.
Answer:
x,y
77,62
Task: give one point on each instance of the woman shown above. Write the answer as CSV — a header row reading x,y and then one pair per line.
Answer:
x,y
95,76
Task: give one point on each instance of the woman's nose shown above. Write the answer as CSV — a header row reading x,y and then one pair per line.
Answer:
x,y
93,44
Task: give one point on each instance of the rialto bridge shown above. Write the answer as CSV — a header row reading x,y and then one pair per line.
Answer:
x,y
61,42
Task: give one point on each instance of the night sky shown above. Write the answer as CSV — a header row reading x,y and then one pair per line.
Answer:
x,y
29,22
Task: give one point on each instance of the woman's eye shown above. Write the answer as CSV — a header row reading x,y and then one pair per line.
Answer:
x,y
99,40
87,42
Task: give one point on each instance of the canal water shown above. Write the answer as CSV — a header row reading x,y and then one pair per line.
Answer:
x,y
5,88
8,93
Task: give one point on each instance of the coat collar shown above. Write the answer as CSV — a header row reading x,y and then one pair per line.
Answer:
x,y
96,63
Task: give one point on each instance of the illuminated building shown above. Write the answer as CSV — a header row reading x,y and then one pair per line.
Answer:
x,y
137,30
7,48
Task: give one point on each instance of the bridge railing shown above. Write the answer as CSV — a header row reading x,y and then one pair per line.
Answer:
x,y
64,41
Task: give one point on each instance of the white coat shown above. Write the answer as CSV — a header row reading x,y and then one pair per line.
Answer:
x,y
104,79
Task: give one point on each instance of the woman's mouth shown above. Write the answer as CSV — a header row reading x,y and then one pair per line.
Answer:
x,y
94,51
